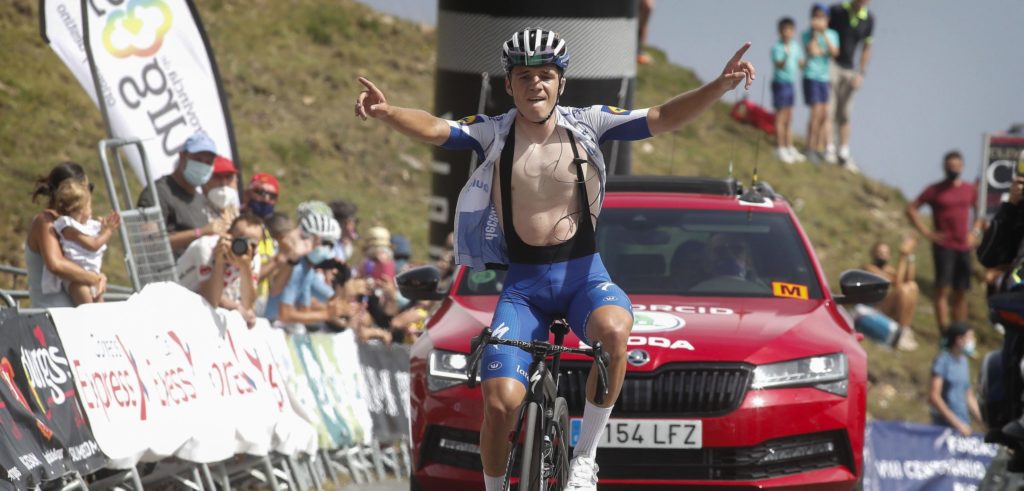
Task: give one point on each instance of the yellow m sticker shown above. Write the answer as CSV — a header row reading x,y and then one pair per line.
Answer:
x,y
789,290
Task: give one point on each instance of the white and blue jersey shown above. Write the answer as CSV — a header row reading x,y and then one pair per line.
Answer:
x,y
479,240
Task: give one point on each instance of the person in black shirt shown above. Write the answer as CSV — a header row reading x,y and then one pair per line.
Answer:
x,y
855,26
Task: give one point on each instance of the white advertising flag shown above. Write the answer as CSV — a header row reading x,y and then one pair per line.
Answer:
x,y
157,73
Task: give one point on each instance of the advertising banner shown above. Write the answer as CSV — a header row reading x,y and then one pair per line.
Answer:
x,y
910,457
304,354
156,72
1001,155
34,360
386,372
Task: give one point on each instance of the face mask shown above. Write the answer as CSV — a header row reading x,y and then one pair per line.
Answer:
x,y
223,197
262,209
969,348
952,175
319,254
879,262
197,173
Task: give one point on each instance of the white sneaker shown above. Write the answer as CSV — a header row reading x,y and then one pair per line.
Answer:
x,y
797,156
830,154
844,153
851,166
782,153
582,475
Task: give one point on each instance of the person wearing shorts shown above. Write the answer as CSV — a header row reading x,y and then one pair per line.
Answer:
x,y
822,44
952,200
788,58
531,207
855,26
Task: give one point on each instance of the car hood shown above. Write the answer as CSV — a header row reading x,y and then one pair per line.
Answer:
x,y
674,329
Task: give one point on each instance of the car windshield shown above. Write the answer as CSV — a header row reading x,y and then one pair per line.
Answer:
x,y
693,253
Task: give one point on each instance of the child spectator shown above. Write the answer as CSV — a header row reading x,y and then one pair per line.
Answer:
x,y
788,57
82,239
822,44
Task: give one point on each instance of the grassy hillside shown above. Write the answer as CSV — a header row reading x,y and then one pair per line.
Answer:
x,y
289,69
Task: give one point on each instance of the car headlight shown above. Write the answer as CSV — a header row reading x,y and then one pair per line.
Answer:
x,y
447,369
826,372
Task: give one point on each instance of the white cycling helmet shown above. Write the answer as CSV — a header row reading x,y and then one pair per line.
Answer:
x,y
534,46
321,225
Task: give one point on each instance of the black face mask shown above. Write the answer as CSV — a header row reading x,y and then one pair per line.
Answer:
x,y
879,262
952,175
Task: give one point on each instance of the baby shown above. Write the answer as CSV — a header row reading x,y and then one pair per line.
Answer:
x,y
82,239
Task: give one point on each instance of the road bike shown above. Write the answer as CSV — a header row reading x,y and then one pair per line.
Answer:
x,y
540,441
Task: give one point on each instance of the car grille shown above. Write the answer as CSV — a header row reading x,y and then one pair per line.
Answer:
x,y
682,389
772,458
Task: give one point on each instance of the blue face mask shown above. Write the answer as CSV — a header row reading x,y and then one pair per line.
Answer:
x,y
262,209
197,173
969,348
319,254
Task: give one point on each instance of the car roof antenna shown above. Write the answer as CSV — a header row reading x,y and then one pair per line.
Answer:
x,y
753,195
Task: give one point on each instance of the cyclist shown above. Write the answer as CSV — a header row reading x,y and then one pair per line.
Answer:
x,y
531,206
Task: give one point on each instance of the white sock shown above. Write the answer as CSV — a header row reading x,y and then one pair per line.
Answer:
x,y
493,483
592,427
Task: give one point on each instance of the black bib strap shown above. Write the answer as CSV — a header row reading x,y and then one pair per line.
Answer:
x,y
582,243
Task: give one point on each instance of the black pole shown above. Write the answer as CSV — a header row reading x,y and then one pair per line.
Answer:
x,y
602,42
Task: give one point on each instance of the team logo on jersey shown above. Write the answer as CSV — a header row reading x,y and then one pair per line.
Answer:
x,y
615,110
468,120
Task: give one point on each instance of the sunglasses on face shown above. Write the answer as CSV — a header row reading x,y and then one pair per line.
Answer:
x,y
264,194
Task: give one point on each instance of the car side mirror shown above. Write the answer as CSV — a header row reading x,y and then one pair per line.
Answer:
x,y
859,286
420,283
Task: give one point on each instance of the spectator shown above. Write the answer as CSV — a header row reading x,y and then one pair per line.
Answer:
x,y
822,44
345,213
951,201
379,264
261,195
260,199
43,249
224,269
294,304
646,7
221,191
898,306
183,208
82,239
952,400
788,56
855,25
273,255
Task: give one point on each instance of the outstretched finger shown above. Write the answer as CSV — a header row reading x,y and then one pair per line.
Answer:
x,y
360,109
740,52
372,88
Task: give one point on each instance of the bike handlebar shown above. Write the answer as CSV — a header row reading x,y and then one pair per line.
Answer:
x,y
539,349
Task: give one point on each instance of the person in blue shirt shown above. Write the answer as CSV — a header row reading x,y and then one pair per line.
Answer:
x,y
294,304
788,57
531,207
952,400
822,44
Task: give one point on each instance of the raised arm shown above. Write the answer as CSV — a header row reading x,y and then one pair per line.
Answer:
x,y
685,107
414,123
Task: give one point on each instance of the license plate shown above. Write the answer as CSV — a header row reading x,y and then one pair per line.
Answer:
x,y
645,433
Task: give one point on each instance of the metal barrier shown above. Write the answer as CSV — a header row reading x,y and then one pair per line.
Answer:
x,y
147,249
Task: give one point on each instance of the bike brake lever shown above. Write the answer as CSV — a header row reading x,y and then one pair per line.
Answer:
x,y
602,360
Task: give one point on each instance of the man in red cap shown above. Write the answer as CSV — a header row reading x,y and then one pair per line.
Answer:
x,y
260,198
221,190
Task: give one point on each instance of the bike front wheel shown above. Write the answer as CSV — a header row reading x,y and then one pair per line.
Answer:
x,y
557,459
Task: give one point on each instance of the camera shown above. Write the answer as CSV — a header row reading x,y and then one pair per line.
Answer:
x,y
239,246
342,273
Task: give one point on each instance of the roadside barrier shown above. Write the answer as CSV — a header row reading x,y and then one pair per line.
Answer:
x,y
900,456
164,378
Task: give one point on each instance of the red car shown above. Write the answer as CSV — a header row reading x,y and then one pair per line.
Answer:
x,y
743,370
